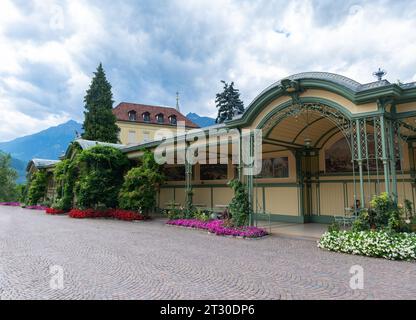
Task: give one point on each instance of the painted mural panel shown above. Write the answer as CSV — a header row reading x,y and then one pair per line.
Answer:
x,y
338,157
174,173
214,171
275,168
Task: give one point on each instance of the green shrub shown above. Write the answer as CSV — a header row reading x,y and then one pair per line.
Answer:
x,y
140,186
202,215
384,214
22,190
334,227
362,223
382,208
173,212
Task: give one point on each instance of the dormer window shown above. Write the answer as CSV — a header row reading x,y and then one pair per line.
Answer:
x,y
146,117
172,119
160,118
132,115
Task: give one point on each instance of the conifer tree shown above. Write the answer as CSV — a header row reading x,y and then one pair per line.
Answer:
x,y
228,103
100,122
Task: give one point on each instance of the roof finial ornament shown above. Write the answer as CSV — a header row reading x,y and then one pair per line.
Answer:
x,y
380,73
177,101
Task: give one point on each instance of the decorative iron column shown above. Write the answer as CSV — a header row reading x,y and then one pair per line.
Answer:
x,y
392,149
360,162
250,179
384,151
188,182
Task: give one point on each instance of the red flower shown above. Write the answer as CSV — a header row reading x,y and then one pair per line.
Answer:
x,y
110,213
53,211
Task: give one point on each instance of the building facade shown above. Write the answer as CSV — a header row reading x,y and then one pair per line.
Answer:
x,y
327,141
138,123
328,144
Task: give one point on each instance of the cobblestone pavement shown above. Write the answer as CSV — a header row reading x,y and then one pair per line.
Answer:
x,y
106,259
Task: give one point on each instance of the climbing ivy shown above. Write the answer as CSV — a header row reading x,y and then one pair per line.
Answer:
x,y
37,188
65,175
240,206
100,177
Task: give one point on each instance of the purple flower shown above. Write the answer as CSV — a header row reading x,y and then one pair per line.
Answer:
x,y
216,226
10,204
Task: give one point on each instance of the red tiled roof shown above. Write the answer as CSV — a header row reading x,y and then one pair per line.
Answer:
x,y
122,113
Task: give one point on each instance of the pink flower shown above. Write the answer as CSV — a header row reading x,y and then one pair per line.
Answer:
x,y
216,226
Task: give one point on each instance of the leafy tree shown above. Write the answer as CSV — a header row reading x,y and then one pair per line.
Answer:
x,y
228,103
8,178
101,171
240,206
100,122
22,190
37,188
140,185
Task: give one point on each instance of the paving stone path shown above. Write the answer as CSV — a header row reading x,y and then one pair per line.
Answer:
x,y
106,259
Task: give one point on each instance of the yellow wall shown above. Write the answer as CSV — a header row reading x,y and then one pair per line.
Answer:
x,y
406,107
139,130
353,108
282,200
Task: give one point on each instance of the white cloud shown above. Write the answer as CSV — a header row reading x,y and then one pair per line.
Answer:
x,y
49,50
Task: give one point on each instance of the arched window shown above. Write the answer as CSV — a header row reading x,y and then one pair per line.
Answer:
x,y
132,115
160,118
172,119
146,116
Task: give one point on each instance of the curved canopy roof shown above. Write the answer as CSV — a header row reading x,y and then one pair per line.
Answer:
x,y
350,89
341,80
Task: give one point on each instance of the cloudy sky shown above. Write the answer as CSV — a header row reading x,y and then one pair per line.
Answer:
x,y
151,49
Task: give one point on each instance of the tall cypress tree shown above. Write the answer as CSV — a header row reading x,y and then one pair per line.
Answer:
x,y
100,123
228,103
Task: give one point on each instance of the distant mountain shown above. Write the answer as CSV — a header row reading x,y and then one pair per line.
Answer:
x,y
47,144
200,121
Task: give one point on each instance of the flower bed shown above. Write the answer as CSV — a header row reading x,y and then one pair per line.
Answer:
x,y
216,227
399,246
10,204
89,213
53,211
126,215
36,207
118,214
